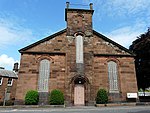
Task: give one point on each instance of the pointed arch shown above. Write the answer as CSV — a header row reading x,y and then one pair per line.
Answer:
x,y
42,57
77,77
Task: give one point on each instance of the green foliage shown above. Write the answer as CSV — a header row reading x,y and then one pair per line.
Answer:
x,y
56,97
141,90
146,90
32,97
141,47
102,97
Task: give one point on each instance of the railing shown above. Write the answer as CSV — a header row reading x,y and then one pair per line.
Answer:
x,y
143,93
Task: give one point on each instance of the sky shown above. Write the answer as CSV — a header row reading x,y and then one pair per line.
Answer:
x,y
23,22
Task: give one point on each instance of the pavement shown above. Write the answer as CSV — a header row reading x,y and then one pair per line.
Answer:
x,y
80,109
62,106
110,108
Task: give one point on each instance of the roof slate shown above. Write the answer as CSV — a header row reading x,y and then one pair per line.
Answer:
x,y
8,73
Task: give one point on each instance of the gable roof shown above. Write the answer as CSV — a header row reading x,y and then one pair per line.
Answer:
x,y
114,43
64,30
8,73
43,40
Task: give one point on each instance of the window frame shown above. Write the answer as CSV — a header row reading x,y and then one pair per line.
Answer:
x,y
44,86
79,49
113,78
1,81
11,82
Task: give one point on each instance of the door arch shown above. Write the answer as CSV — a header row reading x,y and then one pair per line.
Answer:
x,y
79,94
79,91
79,81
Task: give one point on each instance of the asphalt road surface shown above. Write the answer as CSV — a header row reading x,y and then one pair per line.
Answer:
x,y
86,109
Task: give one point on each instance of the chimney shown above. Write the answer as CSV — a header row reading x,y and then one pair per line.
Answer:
x,y
15,67
67,5
91,6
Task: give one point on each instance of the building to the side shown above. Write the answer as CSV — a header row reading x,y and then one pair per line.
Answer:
x,y
8,84
79,61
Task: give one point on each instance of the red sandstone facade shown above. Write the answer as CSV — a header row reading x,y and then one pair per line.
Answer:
x,y
8,84
60,50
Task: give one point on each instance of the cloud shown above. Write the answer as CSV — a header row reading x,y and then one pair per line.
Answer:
x,y
6,61
128,6
13,36
120,7
127,18
127,34
13,33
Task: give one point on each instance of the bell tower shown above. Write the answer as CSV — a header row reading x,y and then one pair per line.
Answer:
x,y
79,20
79,31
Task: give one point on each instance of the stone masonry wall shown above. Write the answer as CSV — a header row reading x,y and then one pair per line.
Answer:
x,y
63,67
10,89
78,21
61,51
126,75
29,71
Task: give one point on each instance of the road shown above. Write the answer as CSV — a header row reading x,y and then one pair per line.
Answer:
x,y
125,109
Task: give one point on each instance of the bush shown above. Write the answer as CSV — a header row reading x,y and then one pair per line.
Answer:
x,y
141,90
102,97
1,103
56,97
32,98
9,103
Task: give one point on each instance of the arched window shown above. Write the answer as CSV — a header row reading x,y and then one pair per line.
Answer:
x,y
44,71
113,77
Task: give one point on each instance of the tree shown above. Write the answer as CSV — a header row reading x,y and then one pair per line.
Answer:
x,y
141,47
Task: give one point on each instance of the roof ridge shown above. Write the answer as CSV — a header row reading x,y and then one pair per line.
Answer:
x,y
113,42
64,30
8,73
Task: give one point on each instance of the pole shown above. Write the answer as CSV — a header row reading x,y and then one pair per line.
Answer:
x,y
5,97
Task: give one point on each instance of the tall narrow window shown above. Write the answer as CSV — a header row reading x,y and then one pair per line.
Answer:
x,y
44,72
79,49
1,80
113,77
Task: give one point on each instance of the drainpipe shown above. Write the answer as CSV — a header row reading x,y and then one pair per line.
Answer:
x,y
5,96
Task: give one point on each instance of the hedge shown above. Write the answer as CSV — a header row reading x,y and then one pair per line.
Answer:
x,y
32,97
102,97
56,97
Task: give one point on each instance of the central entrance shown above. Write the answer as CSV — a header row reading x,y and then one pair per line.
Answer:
x,y
79,91
79,94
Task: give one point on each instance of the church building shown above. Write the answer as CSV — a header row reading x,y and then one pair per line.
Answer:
x,y
78,61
